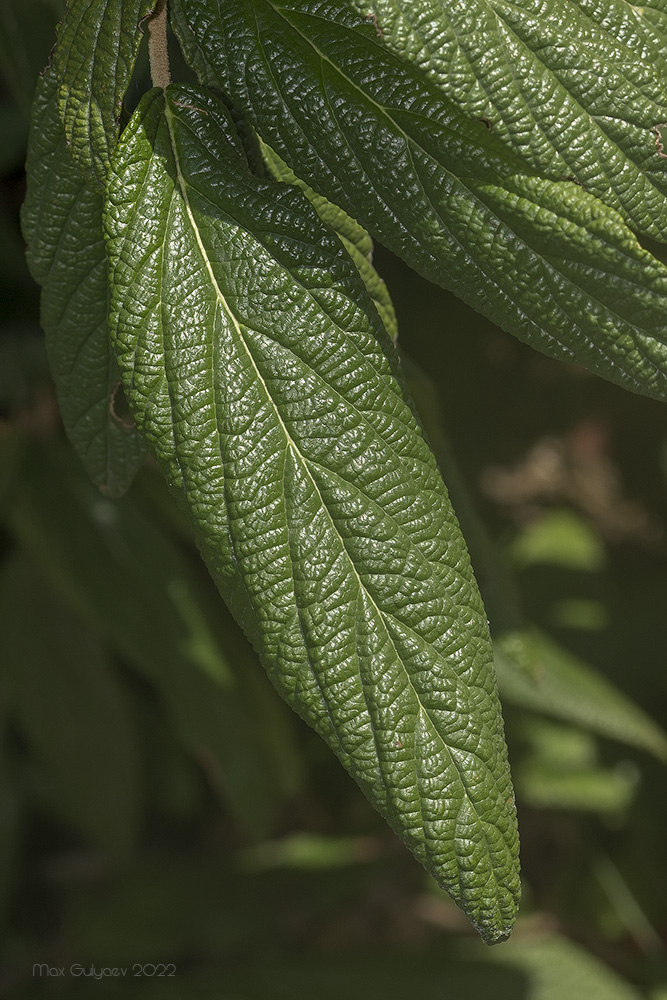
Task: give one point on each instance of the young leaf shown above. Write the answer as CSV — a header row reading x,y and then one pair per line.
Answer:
x,y
97,47
544,259
62,225
257,367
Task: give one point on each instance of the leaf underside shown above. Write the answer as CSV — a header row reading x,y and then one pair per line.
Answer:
x,y
257,367
62,225
382,137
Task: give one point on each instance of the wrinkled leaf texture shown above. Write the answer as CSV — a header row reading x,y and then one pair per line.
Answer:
x,y
576,87
354,238
62,225
98,42
256,366
381,137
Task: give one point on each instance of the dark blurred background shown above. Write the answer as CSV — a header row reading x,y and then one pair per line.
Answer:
x,y
161,810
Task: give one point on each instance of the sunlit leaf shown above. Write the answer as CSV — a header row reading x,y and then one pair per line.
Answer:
x,y
256,366
62,225
373,132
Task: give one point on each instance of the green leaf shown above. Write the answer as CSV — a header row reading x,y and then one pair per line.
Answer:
x,y
575,87
371,132
98,43
71,709
133,586
258,369
62,225
560,770
538,674
354,238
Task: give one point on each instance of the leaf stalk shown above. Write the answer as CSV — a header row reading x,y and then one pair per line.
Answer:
x,y
158,51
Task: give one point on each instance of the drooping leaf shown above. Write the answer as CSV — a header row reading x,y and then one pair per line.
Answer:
x,y
537,673
71,709
133,586
98,42
62,225
576,87
257,367
354,238
374,134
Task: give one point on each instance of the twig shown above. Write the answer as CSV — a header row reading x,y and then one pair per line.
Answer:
x,y
158,53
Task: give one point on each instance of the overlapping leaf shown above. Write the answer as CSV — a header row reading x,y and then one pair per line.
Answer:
x,y
62,225
258,369
576,88
97,46
354,238
375,134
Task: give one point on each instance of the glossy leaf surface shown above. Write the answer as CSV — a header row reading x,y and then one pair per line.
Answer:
x,y
377,135
576,87
257,367
354,238
97,45
62,225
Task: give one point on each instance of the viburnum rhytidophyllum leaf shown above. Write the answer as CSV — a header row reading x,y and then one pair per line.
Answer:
x,y
258,369
380,136
576,87
62,225
354,238
97,46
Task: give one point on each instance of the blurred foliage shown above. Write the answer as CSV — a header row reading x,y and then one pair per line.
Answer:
x,y
159,804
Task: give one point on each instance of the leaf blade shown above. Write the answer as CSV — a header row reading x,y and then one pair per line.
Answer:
x,y
544,259
98,43
574,88
261,384
62,225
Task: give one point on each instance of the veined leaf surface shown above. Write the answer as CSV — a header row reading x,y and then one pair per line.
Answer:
x,y
354,238
574,86
97,46
62,225
373,133
257,367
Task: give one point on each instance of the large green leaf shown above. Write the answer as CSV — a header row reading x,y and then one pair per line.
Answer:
x,y
576,87
98,42
375,134
62,225
257,367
